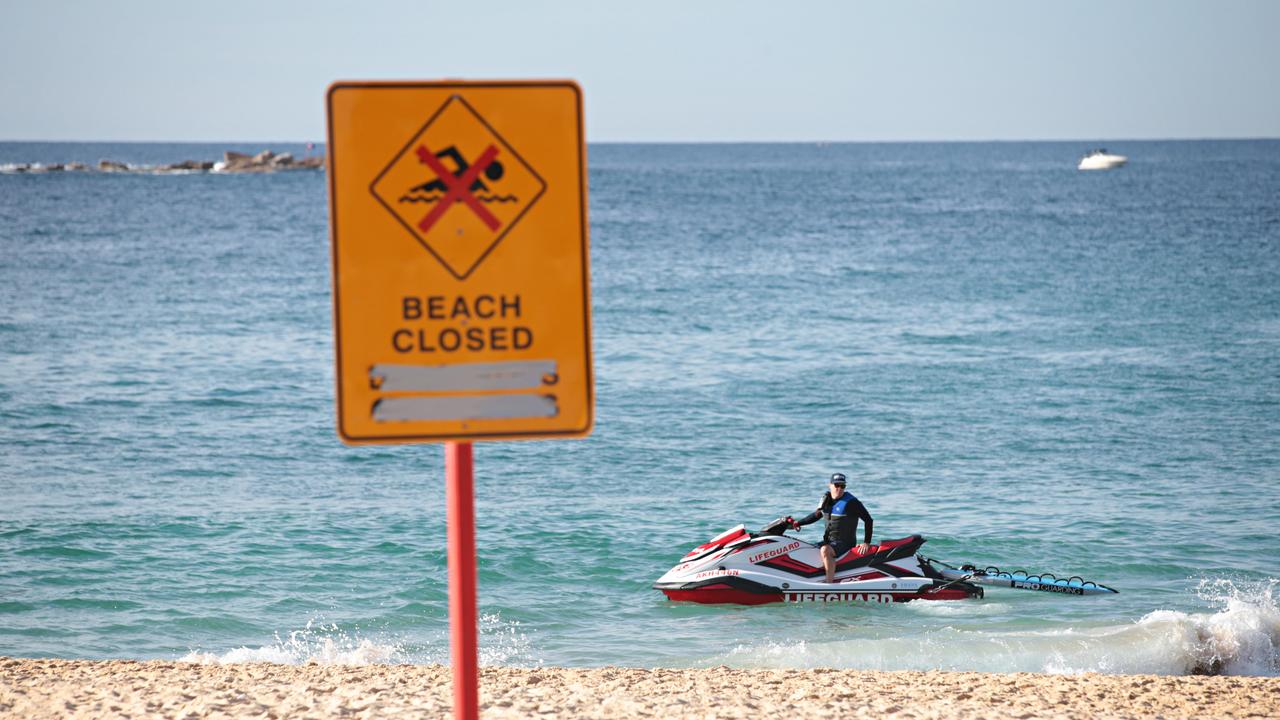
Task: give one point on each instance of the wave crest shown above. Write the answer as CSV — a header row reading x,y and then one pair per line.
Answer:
x,y
502,642
1241,638
314,644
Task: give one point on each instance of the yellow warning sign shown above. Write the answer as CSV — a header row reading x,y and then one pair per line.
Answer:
x,y
460,261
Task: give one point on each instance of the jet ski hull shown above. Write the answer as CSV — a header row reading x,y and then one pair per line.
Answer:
x,y
723,594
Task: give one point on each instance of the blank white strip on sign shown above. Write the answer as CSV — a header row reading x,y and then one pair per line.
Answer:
x,y
468,407
519,375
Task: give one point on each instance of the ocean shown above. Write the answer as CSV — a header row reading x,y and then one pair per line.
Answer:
x,y
1033,367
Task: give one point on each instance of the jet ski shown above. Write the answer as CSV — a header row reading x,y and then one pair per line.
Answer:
x,y
754,568
769,566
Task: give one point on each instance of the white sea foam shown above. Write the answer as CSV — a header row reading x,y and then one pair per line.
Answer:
x,y
315,643
959,609
502,642
1241,638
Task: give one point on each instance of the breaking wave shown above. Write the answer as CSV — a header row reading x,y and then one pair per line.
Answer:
x,y
313,644
502,642
1242,637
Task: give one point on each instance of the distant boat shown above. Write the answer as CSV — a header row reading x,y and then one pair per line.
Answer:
x,y
1100,159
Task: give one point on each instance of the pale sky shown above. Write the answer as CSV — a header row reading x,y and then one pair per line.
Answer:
x,y
246,70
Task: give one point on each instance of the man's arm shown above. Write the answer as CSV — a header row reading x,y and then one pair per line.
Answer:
x,y
815,515
811,517
866,518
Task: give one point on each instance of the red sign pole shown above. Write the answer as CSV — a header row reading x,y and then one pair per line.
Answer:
x,y
461,519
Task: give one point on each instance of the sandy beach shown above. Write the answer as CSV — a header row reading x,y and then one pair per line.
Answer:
x,y
160,689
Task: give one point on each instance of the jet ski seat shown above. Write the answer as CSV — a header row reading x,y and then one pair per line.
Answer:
x,y
884,552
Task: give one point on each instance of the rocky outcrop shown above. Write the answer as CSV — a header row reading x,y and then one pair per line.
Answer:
x,y
38,168
185,166
232,162
265,161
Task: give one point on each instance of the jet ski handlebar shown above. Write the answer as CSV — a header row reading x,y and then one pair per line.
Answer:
x,y
779,526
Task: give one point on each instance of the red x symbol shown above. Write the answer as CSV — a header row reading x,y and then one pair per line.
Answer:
x,y
459,187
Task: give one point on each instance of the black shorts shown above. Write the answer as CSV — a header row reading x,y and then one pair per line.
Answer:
x,y
837,547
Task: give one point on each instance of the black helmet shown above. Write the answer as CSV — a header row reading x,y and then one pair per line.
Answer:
x,y
838,479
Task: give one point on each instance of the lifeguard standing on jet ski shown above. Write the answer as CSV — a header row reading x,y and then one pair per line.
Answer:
x,y
842,511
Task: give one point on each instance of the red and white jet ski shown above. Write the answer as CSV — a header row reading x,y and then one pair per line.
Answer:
x,y
749,568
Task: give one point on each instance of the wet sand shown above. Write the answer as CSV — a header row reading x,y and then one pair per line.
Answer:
x,y
160,689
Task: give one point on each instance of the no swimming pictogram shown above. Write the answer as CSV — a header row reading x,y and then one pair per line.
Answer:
x,y
459,214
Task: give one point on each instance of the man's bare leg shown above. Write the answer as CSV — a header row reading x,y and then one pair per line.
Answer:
x,y
829,563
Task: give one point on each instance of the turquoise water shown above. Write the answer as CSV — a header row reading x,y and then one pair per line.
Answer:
x,y
1033,367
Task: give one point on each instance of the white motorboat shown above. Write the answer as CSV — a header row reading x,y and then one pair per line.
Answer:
x,y
1100,159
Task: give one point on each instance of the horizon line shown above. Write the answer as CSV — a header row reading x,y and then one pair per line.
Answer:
x,y
904,141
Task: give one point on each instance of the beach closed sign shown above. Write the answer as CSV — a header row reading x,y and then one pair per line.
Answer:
x,y
458,225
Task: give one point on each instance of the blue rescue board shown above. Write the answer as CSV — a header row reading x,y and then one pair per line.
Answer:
x,y
1020,580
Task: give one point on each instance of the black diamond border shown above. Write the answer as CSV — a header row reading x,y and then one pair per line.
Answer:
x,y
505,144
